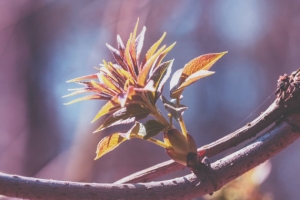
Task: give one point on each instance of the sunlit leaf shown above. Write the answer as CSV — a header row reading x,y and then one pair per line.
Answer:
x,y
90,97
161,74
125,115
153,127
139,43
175,82
141,79
118,57
203,62
191,79
161,57
109,107
153,48
109,143
92,76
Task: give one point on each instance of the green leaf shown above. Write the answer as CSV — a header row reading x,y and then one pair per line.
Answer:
x,y
126,115
152,127
109,143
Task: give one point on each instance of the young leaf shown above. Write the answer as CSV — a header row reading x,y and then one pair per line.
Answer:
x,y
90,97
180,146
109,143
109,107
152,127
141,79
203,62
152,49
191,79
125,115
92,76
174,83
175,110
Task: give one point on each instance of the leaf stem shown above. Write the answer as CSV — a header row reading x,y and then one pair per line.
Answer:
x,y
181,121
154,141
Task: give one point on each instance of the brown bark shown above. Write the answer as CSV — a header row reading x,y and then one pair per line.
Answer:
x,y
282,134
187,187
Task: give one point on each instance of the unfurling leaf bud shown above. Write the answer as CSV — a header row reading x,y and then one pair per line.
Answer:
x,y
180,146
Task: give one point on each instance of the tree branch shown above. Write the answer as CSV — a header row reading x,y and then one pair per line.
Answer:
x,y
283,133
287,101
223,171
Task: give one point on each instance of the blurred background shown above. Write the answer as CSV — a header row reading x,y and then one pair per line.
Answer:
x,y
43,43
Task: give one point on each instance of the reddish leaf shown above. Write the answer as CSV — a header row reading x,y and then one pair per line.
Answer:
x,y
203,62
125,115
191,79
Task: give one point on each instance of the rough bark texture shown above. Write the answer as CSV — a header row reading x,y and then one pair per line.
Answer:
x,y
187,187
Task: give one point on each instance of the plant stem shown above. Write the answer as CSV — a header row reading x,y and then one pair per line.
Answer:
x,y
181,121
154,141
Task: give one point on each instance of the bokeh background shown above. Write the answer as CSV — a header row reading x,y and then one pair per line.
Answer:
x,y
43,43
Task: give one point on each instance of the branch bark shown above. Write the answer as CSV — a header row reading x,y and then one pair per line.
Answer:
x,y
282,134
288,97
222,171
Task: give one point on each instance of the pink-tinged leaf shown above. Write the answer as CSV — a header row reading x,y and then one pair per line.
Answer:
x,y
109,107
118,58
141,79
78,91
92,76
153,48
109,143
100,87
191,79
139,43
161,74
153,127
109,83
90,97
175,82
121,46
125,115
162,56
203,62
127,95
127,57
195,77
